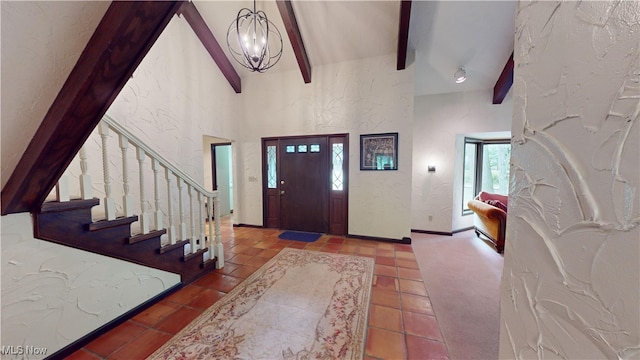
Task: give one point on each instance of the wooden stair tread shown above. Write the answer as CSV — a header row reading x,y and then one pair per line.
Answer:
x,y
167,248
151,235
105,224
74,204
70,223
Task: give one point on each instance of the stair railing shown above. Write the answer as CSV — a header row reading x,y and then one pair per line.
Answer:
x,y
187,223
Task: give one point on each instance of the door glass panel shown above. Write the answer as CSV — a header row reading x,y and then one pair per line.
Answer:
x,y
314,148
337,176
271,167
302,148
291,148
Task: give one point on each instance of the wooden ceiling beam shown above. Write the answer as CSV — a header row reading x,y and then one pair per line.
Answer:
x,y
291,24
403,33
199,26
120,42
504,82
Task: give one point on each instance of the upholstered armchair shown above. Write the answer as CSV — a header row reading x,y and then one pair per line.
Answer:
x,y
489,221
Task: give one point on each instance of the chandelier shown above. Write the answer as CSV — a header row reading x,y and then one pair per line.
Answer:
x,y
253,40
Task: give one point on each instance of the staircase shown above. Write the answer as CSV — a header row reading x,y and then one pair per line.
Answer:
x,y
181,247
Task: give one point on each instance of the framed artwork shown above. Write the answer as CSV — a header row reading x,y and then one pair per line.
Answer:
x,y
379,151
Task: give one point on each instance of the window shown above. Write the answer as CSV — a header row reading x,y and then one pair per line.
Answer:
x,y
291,148
302,148
486,168
271,167
337,158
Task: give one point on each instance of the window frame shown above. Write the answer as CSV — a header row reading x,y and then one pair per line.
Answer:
x,y
479,147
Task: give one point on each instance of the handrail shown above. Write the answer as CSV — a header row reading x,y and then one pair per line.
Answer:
x,y
178,227
165,163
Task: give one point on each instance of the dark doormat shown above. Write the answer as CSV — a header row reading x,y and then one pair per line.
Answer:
x,y
299,236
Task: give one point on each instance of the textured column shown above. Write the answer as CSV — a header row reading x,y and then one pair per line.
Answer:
x,y
572,257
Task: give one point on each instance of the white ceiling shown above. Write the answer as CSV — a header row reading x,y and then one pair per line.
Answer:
x,y
444,35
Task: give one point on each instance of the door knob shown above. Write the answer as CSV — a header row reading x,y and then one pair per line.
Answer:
x,y
281,192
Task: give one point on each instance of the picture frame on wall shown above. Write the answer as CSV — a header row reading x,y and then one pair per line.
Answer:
x,y
379,151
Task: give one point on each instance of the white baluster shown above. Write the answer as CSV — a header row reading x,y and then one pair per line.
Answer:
x,y
109,206
62,188
192,220
126,198
219,247
86,191
171,230
144,216
182,228
211,230
201,221
155,165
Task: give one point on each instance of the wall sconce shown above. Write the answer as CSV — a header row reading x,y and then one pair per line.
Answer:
x,y
431,168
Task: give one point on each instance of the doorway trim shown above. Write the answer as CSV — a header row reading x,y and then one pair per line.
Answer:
x,y
214,178
338,201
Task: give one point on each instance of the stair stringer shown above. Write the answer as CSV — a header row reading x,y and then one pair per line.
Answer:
x,y
70,223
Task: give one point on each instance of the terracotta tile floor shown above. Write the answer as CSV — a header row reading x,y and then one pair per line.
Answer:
x,y
402,324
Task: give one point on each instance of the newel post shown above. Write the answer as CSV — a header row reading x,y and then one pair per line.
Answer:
x,y
219,247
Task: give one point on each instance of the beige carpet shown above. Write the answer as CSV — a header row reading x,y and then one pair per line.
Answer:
x,y
300,305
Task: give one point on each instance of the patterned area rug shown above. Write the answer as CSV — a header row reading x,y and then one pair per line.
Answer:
x,y
300,305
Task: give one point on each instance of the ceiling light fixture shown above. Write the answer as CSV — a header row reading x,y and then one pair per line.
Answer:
x,y
255,41
460,76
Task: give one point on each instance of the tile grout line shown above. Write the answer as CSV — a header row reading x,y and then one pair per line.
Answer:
x,y
353,247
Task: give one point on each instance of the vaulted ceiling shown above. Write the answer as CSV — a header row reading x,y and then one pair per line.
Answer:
x,y
443,35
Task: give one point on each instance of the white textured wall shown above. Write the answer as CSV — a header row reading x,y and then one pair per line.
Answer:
x,y
176,95
356,97
41,42
572,259
439,120
53,295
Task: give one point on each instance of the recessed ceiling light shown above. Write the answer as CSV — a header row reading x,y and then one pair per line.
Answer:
x,y
460,76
